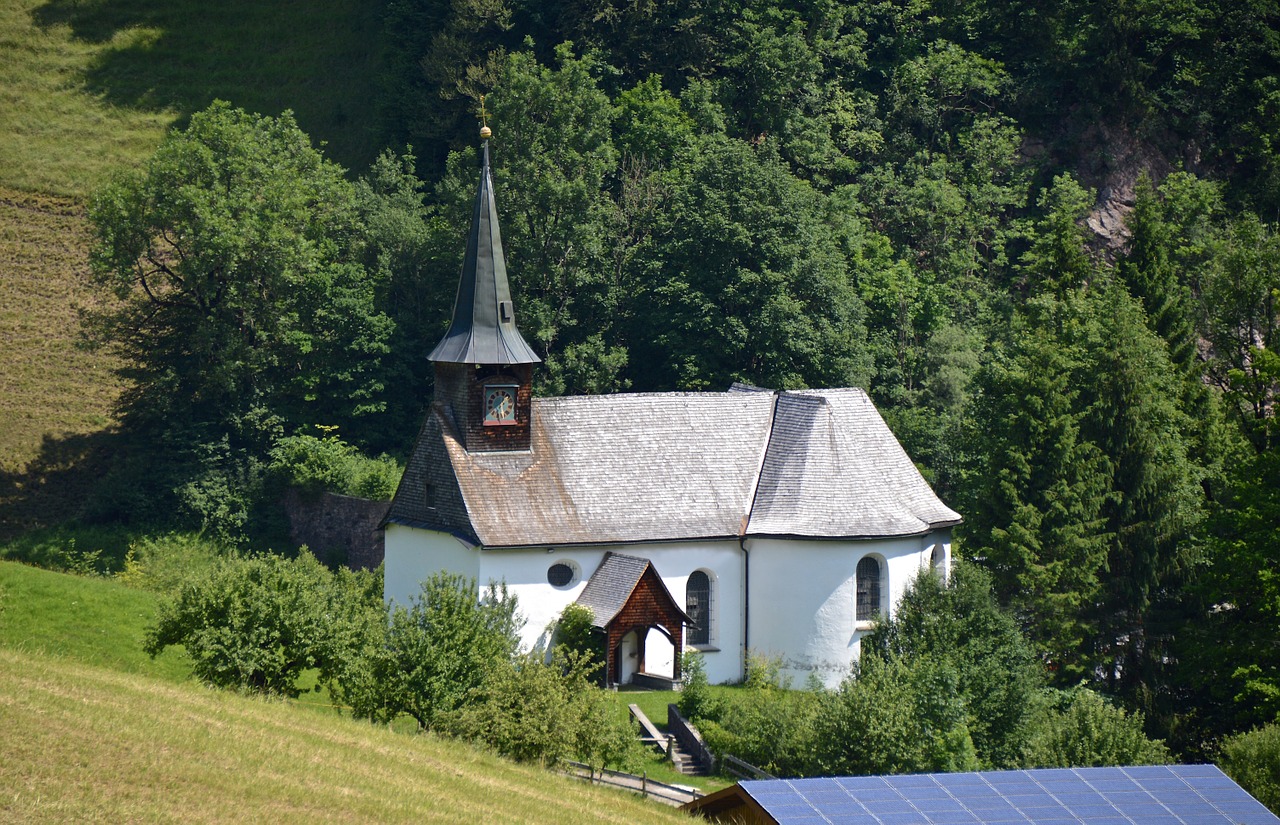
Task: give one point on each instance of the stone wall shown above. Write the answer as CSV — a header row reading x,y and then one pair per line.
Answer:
x,y
338,529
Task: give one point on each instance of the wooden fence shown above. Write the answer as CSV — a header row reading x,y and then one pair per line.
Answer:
x,y
652,788
739,769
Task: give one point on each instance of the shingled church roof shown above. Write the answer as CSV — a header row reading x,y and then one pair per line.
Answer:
x,y
625,468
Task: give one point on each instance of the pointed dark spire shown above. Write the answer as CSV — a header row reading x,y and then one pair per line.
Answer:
x,y
484,322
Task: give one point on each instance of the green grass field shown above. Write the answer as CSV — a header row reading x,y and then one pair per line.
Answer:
x,y
88,86
84,743
91,629
89,620
93,729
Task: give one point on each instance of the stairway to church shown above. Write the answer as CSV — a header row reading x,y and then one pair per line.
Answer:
x,y
685,763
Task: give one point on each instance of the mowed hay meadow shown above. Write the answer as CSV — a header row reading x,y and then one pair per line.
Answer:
x,y
79,742
89,87
91,729
50,384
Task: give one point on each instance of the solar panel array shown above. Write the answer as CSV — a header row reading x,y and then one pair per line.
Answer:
x,y
1152,795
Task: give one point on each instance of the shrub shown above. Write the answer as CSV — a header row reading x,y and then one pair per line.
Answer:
x,y
696,700
575,632
764,672
329,464
162,564
958,621
71,548
894,715
534,711
434,654
257,623
1253,760
770,728
1081,729
220,499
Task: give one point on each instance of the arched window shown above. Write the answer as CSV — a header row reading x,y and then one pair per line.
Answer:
x,y
867,579
938,558
697,603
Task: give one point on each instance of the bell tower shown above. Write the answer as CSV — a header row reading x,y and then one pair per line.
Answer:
x,y
483,366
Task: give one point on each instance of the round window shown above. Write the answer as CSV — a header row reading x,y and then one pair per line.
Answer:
x,y
560,575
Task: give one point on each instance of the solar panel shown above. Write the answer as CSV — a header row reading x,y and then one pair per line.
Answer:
x,y
1146,795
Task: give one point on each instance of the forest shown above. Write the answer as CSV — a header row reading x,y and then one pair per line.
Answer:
x,y
1041,235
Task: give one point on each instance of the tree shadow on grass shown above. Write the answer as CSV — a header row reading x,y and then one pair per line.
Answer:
x,y
38,501
319,59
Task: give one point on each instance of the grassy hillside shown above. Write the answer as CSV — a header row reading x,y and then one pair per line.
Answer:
x,y
84,743
49,385
88,87
54,395
91,85
93,621
92,729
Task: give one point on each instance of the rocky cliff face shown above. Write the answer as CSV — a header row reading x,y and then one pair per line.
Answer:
x,y
1111,162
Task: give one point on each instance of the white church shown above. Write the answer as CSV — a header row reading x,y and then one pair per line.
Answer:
x,y
783,523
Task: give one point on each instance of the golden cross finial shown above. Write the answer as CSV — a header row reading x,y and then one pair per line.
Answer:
x,y
485,131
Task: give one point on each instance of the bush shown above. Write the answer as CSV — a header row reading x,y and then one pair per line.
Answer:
x,y
257,623
696,701
1253,760
764,673
221,497
534,711
894,715
434,654
1082,730
329,464
71,548
576,632
770,728
959,622
162,564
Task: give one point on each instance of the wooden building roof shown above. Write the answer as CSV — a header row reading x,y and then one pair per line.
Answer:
x,y
612,584
626,468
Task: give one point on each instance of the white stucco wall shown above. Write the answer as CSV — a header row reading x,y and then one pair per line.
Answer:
x,y
802,592
802,598
525,572
412,555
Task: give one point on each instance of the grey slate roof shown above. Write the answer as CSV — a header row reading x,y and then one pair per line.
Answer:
x,y
483,329
834,468
611,585
628,468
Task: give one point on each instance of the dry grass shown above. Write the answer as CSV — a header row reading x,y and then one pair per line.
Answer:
x,y
84,743
54,394
49,385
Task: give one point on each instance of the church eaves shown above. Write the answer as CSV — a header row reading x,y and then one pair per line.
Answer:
x,y
483,330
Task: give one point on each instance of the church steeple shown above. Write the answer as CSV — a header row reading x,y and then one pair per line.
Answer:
x,y
484,322
483,365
